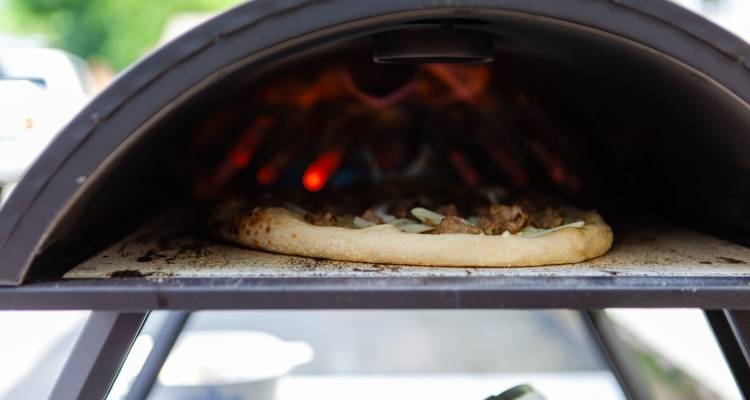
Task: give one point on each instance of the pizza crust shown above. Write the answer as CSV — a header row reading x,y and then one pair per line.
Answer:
x,y
281,231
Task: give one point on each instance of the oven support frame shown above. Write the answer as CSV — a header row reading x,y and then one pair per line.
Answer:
x,y
164,341
98,354
732,331
107,337
614,354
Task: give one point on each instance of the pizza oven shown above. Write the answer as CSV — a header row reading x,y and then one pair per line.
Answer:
x,y
640,111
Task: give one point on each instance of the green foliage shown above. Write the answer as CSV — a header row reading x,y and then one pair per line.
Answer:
x,y
117,31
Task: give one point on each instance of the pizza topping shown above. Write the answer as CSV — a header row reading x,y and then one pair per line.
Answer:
x,y
449,210
498,218
427,216
401,210
527,218
325,219
530,231
415,228
400,221
453,224
373,216
360,223
296,209
547,218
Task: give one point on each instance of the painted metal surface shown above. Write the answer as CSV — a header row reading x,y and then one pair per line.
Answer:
x,y
98,354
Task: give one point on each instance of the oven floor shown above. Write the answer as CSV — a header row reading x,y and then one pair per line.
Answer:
x,y
652,249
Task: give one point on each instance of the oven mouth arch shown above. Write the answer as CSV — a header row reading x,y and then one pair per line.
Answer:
x,y
28,225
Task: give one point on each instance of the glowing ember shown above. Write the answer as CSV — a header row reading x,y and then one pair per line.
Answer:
x,y
238,158
464,168
466,82
379,117
267,175
317,174
508,165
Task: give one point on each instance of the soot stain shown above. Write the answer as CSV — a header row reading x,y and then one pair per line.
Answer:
x,y
150,255
128,273
731,260
372,268
707,263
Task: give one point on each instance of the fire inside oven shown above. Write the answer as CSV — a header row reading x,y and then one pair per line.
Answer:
x,y
346,121
355,122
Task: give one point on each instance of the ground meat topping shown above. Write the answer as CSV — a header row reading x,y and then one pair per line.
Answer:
x,y
448,210
453,224
326,219
401,210
372,216
498,218
546,218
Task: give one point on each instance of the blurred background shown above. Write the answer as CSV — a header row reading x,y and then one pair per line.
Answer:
x,y
55,55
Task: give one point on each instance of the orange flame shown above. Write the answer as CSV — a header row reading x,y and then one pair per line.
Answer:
x,y
317,174
464,167
268,174
466,82
508,164
238,158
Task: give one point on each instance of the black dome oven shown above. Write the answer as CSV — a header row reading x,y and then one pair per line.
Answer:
x,y
640,109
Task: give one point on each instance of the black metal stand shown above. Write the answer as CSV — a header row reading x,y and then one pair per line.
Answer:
x,y
732,331
106,339
614,354
163,344
97,355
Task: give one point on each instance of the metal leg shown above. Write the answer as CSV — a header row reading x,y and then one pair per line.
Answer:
x,y
615,354
163,343
732,331
97,355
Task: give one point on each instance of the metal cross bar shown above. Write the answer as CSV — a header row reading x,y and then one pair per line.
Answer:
x,y
97,355
615,354
163,344
732,331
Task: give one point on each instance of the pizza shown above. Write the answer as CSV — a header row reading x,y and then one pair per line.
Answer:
x,y
419,231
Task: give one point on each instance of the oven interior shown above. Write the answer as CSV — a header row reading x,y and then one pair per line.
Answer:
x,y
594,120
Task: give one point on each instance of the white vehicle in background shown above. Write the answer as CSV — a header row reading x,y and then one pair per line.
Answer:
x,y
41,89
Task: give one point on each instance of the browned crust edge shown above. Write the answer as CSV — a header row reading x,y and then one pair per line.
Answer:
x,y
279,230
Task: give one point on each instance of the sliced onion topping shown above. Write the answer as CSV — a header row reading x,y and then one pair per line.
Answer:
x,y
427,216
414,228
530,231
360,223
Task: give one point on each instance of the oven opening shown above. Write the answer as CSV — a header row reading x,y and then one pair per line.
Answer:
x,y
591,126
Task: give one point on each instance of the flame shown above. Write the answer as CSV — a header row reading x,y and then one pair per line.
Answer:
x,y
308,101
238,158
373,101
555,169
464,167
317,174
328,85
244,149
466,82
268,173
508,164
